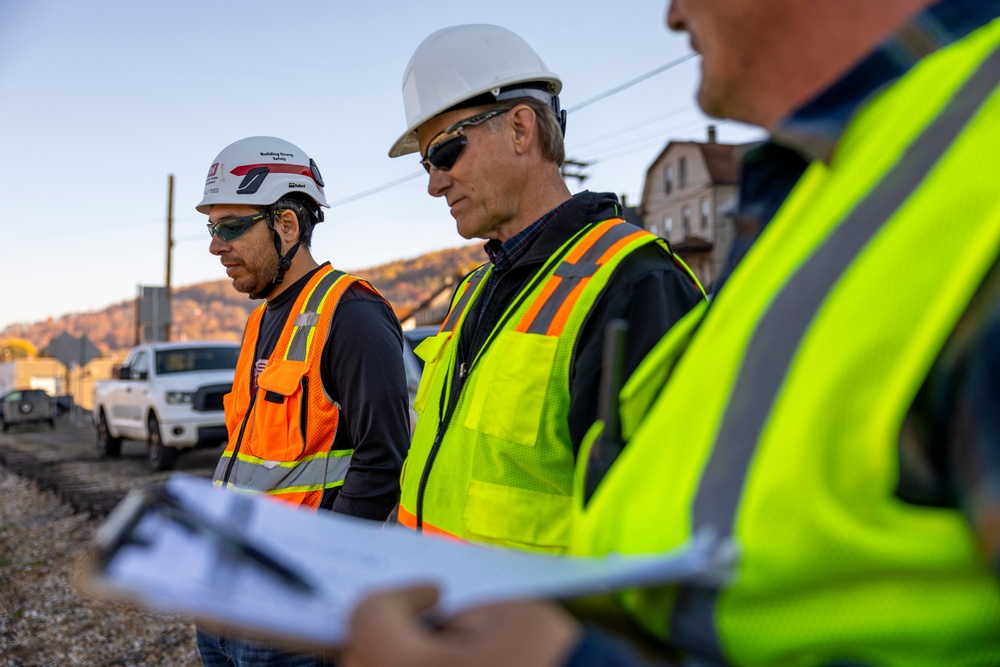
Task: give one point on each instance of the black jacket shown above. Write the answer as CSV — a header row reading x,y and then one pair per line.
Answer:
x,y
648,290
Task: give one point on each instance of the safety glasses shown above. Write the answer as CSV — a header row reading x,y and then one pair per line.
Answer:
x,y
233,228
447,145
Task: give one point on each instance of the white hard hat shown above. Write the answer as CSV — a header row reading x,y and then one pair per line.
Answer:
x,y
259,171
463,62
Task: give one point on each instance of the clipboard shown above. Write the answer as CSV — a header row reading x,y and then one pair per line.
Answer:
x,y
251,564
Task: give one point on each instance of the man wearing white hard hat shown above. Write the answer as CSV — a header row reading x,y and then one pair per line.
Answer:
x,y
510,383
318,415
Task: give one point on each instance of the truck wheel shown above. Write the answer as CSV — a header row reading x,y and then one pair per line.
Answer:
x,y
158,456
107,446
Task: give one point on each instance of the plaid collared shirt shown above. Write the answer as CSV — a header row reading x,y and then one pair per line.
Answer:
x,y
504,255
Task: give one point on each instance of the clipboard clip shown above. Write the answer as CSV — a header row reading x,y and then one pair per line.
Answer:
x,y
118,530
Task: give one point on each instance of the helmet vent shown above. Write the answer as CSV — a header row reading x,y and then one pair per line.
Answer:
x,y
252,181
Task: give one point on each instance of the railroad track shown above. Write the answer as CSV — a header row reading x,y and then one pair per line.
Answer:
x,y
85,496
66,462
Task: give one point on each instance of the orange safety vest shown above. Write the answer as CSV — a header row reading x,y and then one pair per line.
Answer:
x,y
280,438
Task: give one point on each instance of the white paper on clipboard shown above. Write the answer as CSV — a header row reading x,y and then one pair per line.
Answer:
x,y
168,567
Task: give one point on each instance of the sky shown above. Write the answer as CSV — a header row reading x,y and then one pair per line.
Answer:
x,y
101,101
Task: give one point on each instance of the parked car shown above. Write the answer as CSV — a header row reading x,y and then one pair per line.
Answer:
x,y
416,336
26,406
168,394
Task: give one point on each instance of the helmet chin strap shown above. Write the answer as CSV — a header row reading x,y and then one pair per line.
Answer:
x,y
284,264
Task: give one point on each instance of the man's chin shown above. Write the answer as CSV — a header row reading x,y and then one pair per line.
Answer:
x,y
244,286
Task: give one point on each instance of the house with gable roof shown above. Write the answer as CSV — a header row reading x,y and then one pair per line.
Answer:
x,y
689,197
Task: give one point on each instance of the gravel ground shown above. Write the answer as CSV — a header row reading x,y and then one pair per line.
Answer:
x,y
44,620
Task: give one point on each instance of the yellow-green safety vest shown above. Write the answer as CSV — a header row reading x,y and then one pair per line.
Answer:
x,y
779,424
497,467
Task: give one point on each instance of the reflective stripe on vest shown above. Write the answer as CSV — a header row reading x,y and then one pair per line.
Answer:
x,y
305,321
321,471
466,291
501,468
779,426
548,313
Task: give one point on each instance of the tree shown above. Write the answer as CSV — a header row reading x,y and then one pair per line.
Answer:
x,y
16,348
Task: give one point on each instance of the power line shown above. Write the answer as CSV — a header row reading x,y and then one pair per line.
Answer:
x,y
650,141
377,189
629,84
629,128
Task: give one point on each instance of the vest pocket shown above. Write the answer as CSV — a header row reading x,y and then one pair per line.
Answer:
x,y
510,386
518,517
279,435
430,350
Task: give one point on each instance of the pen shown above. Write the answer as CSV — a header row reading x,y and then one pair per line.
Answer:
x,y
230,541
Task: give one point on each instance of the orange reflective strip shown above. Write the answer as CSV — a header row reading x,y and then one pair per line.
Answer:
x,y
559,321
577,255
562,315
610,252
410,521
592,237
537,304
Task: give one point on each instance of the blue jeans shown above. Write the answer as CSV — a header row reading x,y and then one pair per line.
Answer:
x,y
219,649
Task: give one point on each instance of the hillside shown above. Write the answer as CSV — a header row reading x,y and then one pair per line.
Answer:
x,y
214,310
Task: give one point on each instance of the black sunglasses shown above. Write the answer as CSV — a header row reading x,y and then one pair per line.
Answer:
x,y
233,228
448,144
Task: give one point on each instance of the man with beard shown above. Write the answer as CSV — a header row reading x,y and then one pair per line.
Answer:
x,y
318,415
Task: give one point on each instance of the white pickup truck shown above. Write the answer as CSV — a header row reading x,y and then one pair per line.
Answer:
x,y
170,396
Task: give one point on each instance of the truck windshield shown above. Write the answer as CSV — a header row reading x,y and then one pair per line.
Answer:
x,y
185,360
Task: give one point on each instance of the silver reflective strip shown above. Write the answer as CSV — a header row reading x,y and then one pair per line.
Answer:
x,y
220,468
316,473
307,319
781,330
573,272
463,301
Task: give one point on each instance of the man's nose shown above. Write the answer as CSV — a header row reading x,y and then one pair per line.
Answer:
x,y
437,182
217,246
675,19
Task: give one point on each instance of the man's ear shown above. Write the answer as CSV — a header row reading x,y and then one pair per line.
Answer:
x,y
286,224
525,124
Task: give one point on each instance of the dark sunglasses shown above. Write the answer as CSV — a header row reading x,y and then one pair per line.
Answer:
x,y
233,228
448,144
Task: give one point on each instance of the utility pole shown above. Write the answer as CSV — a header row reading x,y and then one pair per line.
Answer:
x,y
578,174
170,246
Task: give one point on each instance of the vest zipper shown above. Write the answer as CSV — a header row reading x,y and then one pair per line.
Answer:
x,y
239,441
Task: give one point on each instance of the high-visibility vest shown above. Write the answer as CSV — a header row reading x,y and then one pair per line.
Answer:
x,y
497,465
779,424
281,437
